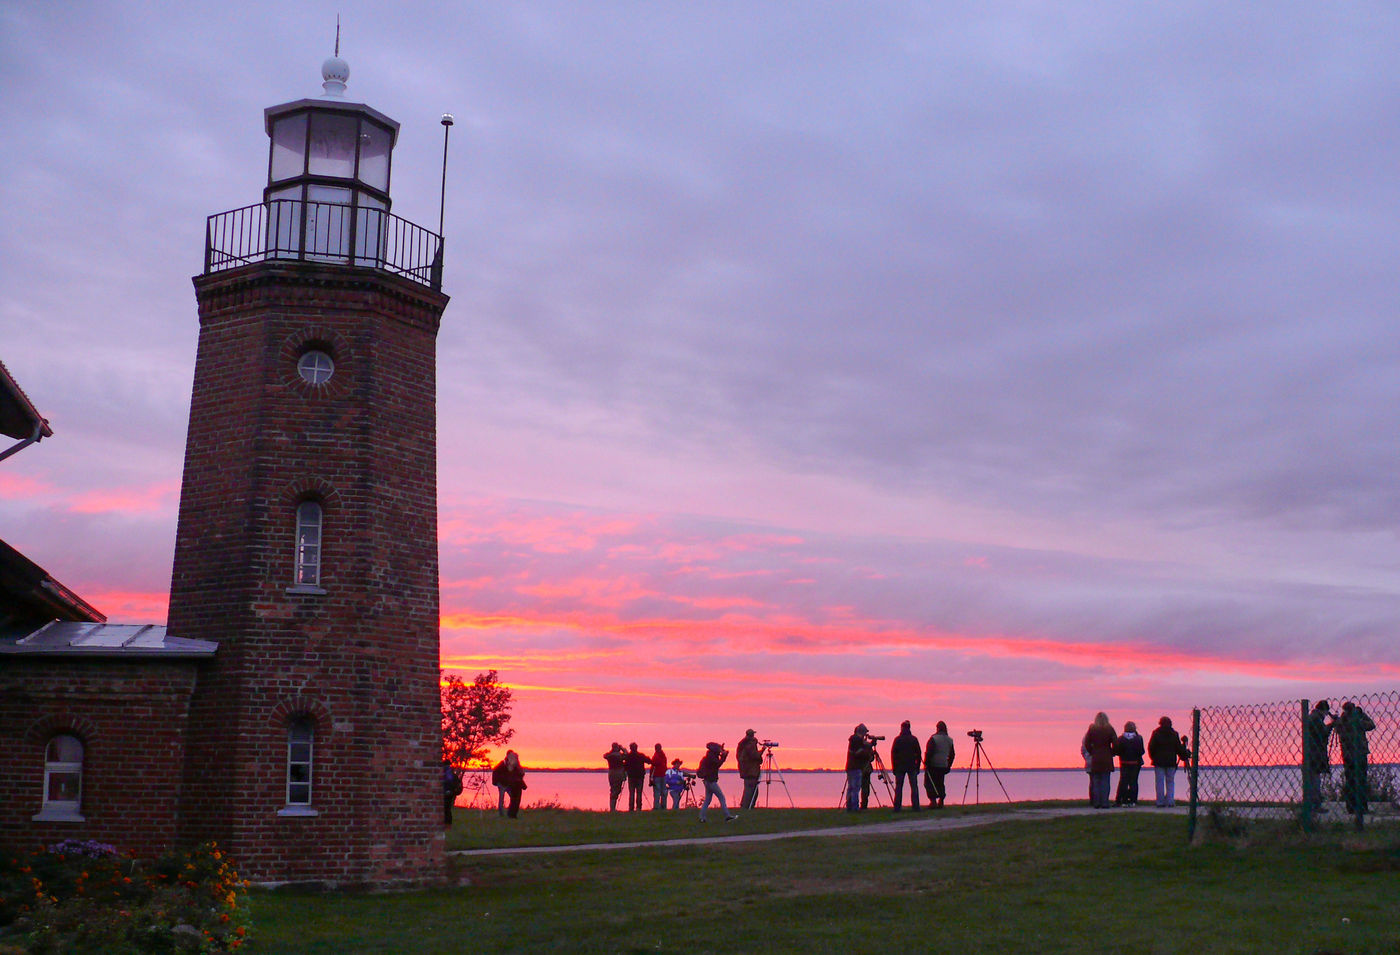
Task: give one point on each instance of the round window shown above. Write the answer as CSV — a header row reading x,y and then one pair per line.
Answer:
x,y
315,367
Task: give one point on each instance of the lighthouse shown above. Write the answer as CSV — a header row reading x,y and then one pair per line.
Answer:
x,y
306,546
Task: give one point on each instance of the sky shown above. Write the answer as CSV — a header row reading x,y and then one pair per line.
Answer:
x,y
805,365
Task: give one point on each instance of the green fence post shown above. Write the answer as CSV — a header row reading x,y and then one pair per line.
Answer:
x,y
1306,817
1195,771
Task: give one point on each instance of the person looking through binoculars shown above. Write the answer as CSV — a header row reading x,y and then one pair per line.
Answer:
x,y
708,771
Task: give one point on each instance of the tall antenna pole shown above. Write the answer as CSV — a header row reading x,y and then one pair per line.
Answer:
x,y
337,34
442,202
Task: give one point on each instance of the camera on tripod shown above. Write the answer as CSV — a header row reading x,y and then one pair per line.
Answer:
x,y
769,744
975,734
871,737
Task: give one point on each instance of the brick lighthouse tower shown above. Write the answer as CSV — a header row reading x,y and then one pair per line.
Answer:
x,y
307,540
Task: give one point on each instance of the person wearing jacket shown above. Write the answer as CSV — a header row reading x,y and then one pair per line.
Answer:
x,y
905,756
1316,766
1351,729
616,758
749,757
498,779
1164,748
514,775
1130,753
1097,749
860,752
658,778
708,773
636,763
938,760
675,783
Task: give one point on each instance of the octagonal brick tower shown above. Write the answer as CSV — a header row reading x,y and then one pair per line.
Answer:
x,y
307,540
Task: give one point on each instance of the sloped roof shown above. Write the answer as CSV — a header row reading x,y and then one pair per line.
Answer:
x,y
18,416
72,639
29,596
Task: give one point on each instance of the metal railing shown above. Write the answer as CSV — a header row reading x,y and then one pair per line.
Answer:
x,y
1269,762
328,232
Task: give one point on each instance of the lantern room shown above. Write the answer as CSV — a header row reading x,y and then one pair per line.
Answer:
x,y
328,175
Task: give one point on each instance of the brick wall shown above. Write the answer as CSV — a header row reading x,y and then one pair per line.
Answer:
x,y
131,717
360,659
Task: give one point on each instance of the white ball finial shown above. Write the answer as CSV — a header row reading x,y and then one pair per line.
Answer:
x,y
334,73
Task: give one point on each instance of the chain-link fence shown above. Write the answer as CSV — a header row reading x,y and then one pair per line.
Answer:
x,y
1298,761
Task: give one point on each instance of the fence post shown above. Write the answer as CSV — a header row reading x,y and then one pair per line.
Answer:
x,y
1309,783
1195,770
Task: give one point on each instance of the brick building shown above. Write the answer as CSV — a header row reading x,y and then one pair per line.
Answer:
x,y
289,709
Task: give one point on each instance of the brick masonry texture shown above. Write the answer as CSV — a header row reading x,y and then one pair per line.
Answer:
x,y
182,752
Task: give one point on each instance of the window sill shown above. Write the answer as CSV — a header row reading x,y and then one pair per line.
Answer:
x,y
54,814
306,589
295,811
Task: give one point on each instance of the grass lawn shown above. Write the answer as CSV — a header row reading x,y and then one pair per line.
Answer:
x,y
1115,881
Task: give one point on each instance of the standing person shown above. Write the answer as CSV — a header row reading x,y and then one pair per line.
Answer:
x,y
1351,728
1130,752
498,779
451,789
658,778
860,750
637,763
1097,747
938,759
616,758
675,783
749,757
1164,748
905,756
708,772
515,782
1316,765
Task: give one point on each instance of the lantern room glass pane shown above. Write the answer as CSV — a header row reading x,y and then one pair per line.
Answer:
x,y
288,147
332,145
374,156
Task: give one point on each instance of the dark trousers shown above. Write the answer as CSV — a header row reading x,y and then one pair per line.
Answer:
x,y
899,776
634,793
1127,794
933,785
513,808
614,790
864,790
1354,784
447,802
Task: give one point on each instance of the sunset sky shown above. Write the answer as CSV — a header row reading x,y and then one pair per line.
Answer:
x,y
806,364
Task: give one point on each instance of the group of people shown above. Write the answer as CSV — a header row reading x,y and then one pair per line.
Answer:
x,y
635,769
508,776
1102,743
906,756
1351,728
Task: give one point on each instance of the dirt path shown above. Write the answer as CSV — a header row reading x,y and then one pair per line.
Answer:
x,y
912,822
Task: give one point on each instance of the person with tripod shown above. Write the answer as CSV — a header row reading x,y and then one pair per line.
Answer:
x,y
905,756
749,756
860,753
938,760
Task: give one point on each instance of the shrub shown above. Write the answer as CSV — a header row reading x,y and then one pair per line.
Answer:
x,y
85,896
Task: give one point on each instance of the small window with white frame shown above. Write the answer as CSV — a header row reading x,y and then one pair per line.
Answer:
x,y
63,779
308,545
300,740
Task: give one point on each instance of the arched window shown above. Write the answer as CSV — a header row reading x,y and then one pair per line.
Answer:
x,y
63,779
300,737
308,553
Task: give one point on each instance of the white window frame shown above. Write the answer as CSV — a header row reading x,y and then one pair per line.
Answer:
x,y
62,810
315,367
301,767
306,556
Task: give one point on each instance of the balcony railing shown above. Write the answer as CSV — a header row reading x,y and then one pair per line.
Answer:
x,y
285,229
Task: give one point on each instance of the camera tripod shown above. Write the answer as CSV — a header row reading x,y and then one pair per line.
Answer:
x,y
770,766
974,770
